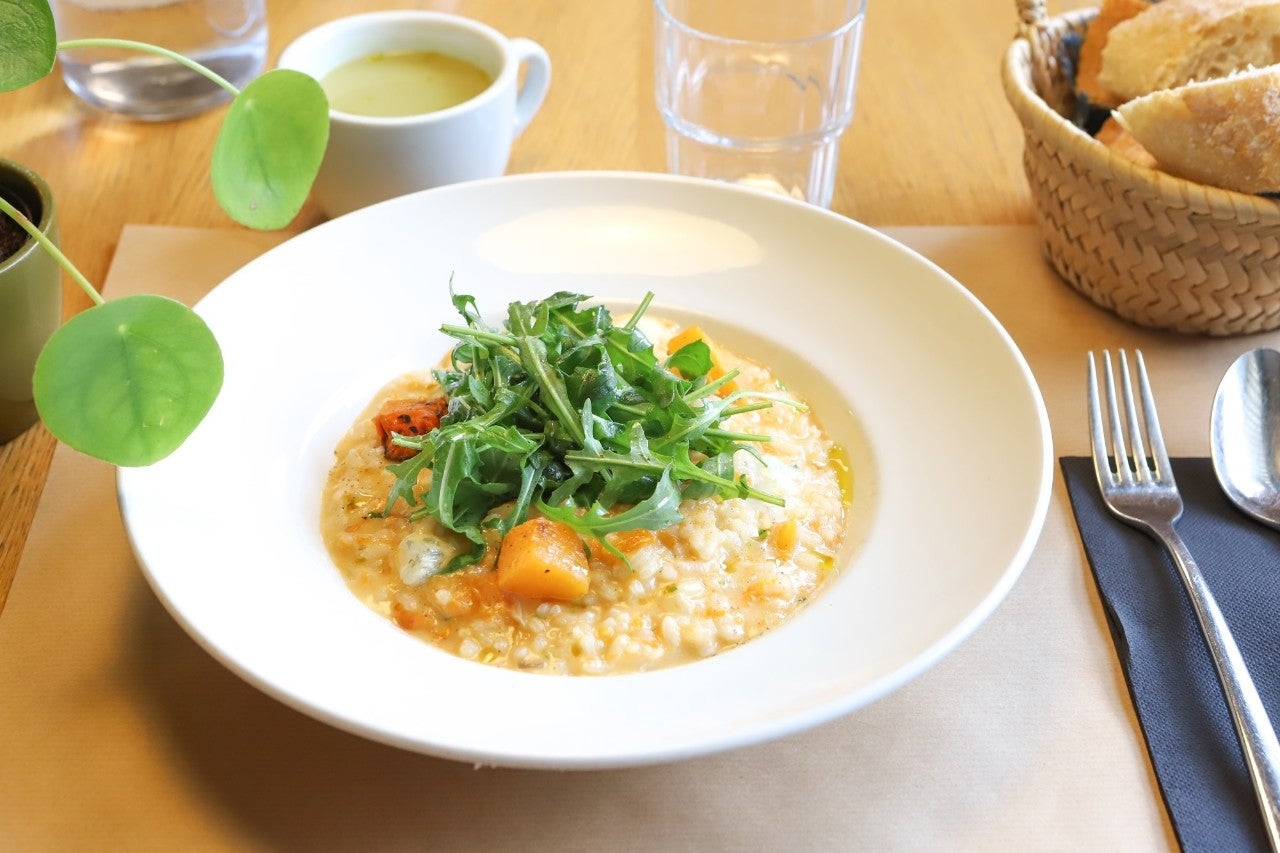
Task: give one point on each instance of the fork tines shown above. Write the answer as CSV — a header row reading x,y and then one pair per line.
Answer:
x,y
1131,463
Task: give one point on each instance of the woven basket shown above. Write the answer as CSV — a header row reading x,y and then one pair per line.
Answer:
x,y
1157,250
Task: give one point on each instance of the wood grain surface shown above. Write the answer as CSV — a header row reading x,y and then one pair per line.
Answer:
x,y
933,142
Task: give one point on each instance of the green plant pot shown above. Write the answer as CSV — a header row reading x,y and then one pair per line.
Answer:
x,y
30,299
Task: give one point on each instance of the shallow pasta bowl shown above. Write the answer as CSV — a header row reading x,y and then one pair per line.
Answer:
x,y
940,416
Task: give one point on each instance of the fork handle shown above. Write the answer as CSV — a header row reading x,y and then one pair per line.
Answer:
x,y
1253,726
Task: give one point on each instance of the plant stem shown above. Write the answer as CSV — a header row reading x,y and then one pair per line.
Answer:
x,y
482,335
635,316
750,407
712,387
143,47
737,436
49,246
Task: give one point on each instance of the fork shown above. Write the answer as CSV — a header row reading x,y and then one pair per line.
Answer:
x,y
1148,499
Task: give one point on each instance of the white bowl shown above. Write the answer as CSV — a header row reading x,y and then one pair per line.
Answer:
x,y
943,420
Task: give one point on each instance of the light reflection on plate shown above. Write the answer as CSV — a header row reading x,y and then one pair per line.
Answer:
x,y
943,421
609,240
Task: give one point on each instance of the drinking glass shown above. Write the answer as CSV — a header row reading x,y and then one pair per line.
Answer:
x,y
758,93
227,36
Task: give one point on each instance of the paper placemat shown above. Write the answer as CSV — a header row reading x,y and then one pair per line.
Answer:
x,y
117,731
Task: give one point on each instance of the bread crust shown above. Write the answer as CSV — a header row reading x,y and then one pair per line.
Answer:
x,y
1178,41
1223,132
1113,135
1110,13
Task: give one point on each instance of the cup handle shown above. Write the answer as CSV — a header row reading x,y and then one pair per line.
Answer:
x,y
537,80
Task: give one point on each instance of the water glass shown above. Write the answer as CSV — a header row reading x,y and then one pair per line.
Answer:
x,y
227,36
758,93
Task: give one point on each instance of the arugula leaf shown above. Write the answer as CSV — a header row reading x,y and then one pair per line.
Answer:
x,y
661,509
692,359
562,411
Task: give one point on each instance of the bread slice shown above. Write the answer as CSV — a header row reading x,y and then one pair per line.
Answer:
x,y
1177,41
1110,13
1113,135
1223,132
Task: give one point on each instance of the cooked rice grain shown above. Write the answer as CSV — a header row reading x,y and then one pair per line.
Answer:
x,y
713,581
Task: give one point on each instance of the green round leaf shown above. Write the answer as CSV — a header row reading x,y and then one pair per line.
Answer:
x,y
270,148
28,42
128,380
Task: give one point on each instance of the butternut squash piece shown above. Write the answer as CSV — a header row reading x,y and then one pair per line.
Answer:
x,y
695,333
626,541
408,418
785,535
541,558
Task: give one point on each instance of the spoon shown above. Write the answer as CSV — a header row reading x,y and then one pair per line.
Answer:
x,y
1244,438
1244,434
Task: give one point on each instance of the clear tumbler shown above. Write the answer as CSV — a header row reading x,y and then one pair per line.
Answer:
x,y
227,36
758,93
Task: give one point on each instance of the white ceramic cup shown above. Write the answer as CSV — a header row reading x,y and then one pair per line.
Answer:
x,y
370,159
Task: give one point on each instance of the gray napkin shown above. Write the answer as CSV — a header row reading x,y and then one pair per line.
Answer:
x,y
1171,679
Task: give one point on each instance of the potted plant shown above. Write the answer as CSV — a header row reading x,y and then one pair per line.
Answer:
x,y
30,294
128,380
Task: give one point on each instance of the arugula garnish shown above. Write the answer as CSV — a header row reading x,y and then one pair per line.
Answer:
x,y
562,411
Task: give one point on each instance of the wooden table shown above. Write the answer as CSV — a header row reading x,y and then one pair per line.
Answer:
x,y
933,142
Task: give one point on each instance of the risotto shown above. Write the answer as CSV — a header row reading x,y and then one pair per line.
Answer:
x,y
726,572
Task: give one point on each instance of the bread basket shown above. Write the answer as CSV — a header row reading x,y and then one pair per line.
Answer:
x,y
1156,250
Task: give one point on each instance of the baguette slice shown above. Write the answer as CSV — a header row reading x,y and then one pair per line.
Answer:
x,y
1178,41
1110,13
1223,132
1113,135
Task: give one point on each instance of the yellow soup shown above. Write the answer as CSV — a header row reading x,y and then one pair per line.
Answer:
x,y
403,83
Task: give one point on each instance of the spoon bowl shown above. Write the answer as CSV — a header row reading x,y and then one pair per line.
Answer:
x,y
1244,435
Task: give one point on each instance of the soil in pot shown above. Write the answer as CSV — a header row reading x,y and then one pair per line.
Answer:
x,y
12,237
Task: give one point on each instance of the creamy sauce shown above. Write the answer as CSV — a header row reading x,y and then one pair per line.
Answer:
x,y
731,570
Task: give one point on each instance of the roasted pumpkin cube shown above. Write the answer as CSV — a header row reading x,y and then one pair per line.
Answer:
x,y
541,558
408,418
694,333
